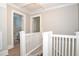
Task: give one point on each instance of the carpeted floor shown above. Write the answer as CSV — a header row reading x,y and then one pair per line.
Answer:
x,y
14,51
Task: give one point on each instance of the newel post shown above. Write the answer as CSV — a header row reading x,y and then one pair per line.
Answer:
x,y
47,43
77,43
22,43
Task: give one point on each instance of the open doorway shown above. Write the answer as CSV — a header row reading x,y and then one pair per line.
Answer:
x,y
18,24
17,20
36,23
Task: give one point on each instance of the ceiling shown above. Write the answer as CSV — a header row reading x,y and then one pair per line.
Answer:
x,y
32,8
36,6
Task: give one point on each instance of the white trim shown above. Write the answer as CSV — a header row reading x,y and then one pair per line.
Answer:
x,y
23,25
25,11
33,50
32,20
51,8
4,53
38,53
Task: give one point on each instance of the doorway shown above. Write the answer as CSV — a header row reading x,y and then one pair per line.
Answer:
x,y
18,23
17,20
36,23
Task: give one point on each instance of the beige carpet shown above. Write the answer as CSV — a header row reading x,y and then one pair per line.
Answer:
x,y
14,51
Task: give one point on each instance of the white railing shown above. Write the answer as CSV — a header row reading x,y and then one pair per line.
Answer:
x,y
63,45
0,40
53,44
29,43
60,45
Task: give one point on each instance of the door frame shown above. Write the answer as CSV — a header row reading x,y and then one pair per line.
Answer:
x,y
12,25
31,21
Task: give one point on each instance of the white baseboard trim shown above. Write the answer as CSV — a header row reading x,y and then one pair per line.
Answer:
x,y
32,50
38,53
4,53
10,47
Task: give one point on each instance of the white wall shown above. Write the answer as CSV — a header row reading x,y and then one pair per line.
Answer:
x,y
3,28
28,23
62,20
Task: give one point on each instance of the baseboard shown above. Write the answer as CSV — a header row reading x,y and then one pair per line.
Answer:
x,y
10,46
32,50
4,53
38,53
